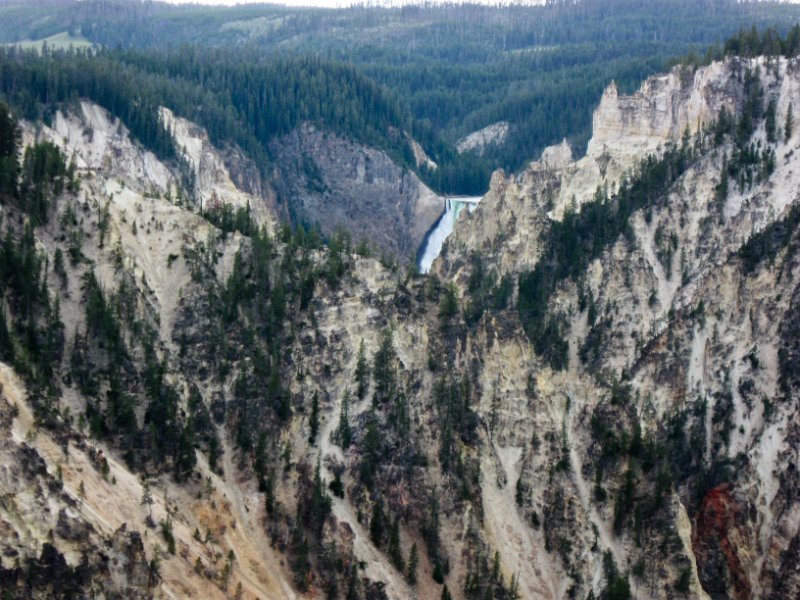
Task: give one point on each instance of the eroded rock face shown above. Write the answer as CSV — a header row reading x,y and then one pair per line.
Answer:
x,y
626,129
673,310
336,183
717,543
66,491
221,177
478,141
669,444
49,547
506,228
557,157
101,143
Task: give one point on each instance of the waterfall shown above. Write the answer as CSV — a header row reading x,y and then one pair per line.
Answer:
x,y
434,240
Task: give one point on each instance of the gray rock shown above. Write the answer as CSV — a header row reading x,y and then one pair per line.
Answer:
x,y
338,183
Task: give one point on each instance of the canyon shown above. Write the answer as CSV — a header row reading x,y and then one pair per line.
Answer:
x,y
659,456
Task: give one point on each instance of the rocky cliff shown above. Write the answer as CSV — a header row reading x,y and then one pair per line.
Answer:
x,y
626,129
336,183
672,332
238,410
478,141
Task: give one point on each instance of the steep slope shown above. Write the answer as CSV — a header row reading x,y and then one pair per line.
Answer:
x,y
626,129
218,178
130,232
338,184
671,334
43,508
314,141
127,226
304,419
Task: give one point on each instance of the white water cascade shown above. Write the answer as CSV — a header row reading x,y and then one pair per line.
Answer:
x,y
443,228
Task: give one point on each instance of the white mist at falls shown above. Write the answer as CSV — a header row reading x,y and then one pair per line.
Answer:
x,y
443,228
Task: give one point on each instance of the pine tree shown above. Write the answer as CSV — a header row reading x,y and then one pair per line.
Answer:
x,y
519,495
6,345
376,524
314,420
446,593
787,130
9,133
352,586
167,533
437,575
362,372
721,191
320,502
300,564
81,494
269,492
9,142
344,433
155,563
413,563
617,586
147,499
336,486
493,415
383,369
395,552
185,456
371,452
770,121
448,306
58,267
496,567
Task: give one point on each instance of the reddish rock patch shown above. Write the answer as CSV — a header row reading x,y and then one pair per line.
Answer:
x,y
715,540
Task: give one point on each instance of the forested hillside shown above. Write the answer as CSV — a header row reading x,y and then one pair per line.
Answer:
x,y
249,104
453,68
239,98
591,395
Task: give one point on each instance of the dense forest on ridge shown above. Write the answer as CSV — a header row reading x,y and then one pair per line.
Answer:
x,y
446,69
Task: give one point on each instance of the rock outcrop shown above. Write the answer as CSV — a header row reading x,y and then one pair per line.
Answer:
x,y
699,333
478,141
626,130
221,178
336,183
